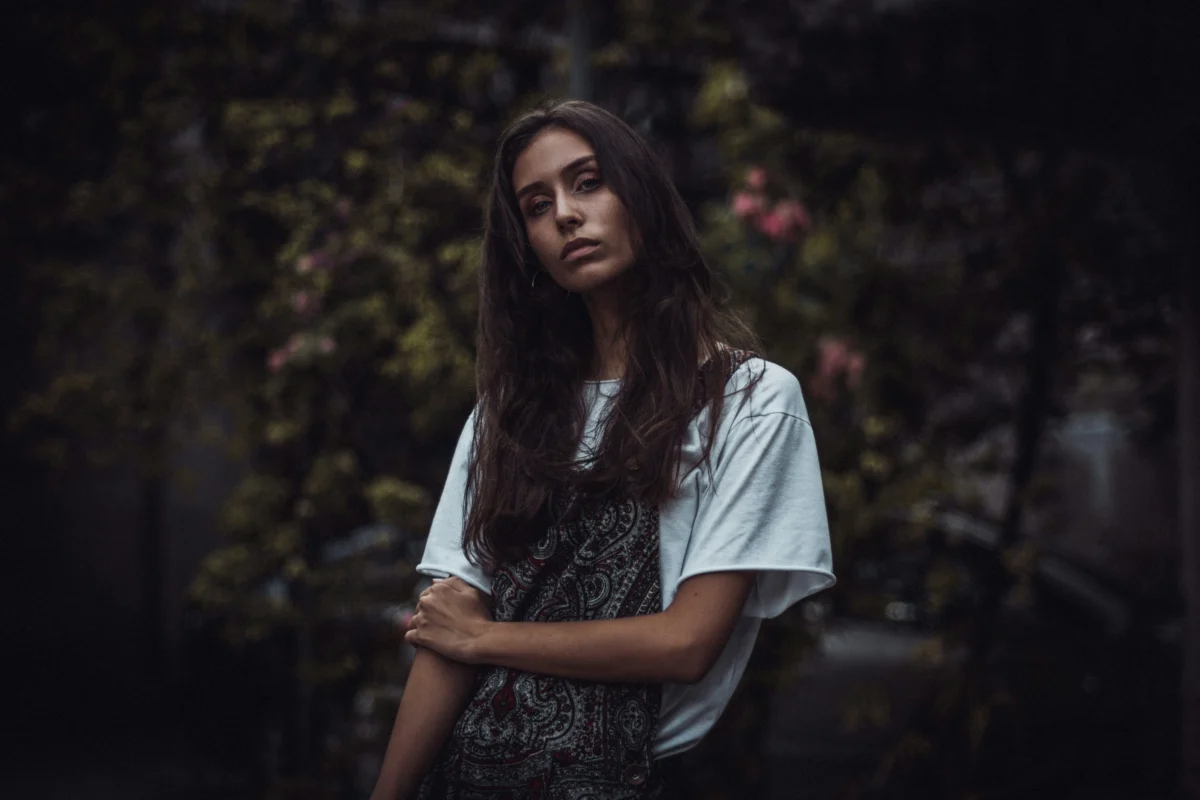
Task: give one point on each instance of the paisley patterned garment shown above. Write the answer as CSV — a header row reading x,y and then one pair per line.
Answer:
x,y
525,736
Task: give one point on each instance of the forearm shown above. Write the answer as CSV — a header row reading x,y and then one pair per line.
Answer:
x,y
435,694
645,648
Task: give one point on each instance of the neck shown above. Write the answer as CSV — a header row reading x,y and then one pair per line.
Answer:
x,y
608,356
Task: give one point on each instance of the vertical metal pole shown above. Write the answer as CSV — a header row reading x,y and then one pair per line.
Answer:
x,y
579,37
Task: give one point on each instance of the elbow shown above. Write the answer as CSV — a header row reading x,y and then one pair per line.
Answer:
x,y
693,662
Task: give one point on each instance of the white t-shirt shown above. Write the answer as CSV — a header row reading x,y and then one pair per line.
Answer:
x,y
761,509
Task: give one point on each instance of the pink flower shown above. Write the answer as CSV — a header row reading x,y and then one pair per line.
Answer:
x,y
305,302
832,357
294,344
795,213
782,222
756,178
854,368
748,204
326,345
774,225
277,360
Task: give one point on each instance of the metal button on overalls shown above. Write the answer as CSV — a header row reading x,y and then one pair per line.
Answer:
x,y
635,774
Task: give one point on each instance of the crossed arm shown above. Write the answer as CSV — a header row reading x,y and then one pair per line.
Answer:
x,y
454,632
677,645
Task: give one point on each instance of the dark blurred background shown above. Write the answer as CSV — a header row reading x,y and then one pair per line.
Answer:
x,y
239,336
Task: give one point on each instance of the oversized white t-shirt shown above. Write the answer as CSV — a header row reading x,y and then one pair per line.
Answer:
x,y
762,508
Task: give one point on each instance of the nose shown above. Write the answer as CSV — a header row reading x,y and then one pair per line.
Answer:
x,y
566,211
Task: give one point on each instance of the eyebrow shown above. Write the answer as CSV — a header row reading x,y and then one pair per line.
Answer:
x,y
533,187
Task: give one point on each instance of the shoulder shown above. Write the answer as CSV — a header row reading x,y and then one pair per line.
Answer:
x,y
759,387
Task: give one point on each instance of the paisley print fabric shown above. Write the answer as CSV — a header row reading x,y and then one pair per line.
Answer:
x,y
525,736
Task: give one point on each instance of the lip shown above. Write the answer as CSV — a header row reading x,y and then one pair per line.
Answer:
x,y
578,248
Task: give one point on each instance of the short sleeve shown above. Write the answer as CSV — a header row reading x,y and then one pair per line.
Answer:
x,y
764,510
444,554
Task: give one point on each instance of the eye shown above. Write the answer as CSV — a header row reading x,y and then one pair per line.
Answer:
x,y
588,182
538,207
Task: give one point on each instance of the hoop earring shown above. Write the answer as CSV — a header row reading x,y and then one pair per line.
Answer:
x,y
533,282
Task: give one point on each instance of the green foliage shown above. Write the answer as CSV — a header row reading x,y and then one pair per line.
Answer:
x,y
398,502
355,344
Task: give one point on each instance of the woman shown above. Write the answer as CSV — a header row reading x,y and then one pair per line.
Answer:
x,y
612,531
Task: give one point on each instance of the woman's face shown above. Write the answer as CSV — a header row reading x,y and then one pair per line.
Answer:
x,y
577,226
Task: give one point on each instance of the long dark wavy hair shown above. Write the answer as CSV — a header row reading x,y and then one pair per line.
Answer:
x,y
535,347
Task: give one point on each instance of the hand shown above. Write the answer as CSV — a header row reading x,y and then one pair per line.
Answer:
x,y
451,617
